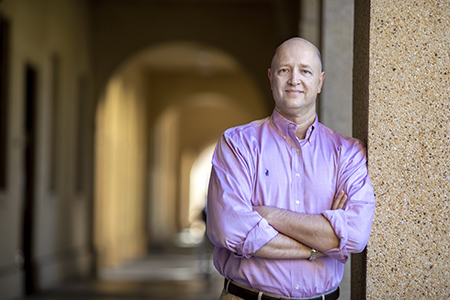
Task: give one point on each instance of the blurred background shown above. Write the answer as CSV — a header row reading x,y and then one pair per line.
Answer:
x,y
109,113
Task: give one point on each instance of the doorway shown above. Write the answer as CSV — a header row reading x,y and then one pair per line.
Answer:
x,y
30,80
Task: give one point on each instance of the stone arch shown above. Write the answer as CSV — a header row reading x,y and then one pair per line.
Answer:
x,y
155,116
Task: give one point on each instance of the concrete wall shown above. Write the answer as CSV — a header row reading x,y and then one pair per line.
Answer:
x,y
337,57
402,87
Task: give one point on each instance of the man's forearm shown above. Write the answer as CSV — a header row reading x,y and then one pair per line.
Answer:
x,y
284,247
311,230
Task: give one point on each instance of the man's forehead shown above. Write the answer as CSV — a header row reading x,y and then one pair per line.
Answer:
x,y
292,47
304,55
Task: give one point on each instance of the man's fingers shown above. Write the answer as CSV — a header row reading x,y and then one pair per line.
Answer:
x,y
343,202
340,201
337,200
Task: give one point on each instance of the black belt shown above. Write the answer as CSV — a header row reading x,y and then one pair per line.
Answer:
x,y
248,294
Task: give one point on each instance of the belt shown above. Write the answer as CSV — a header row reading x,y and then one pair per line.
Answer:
x,y
251,294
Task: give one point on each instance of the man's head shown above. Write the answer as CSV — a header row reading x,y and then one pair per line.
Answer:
x,y
296,78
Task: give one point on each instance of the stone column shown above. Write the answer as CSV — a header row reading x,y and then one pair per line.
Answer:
x,y
337,56
401,109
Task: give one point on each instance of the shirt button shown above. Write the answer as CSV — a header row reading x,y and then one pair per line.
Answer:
x,y
284,137
297,175
297,287
297,202
298,150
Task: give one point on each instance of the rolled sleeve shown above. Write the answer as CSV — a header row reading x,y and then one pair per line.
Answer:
x,y
337,219
359,211
256,239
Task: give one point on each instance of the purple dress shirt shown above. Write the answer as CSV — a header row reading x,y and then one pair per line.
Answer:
x,y
264,163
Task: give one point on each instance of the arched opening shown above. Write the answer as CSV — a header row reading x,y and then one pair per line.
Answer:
x,y
158,116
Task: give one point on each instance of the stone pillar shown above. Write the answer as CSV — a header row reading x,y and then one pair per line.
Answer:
x,y
310,21
401,109
337,57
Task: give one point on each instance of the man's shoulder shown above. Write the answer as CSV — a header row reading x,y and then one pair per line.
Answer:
x,y
341,140
245,130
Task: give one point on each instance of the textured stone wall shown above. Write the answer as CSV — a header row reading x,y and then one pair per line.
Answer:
x,y
408,97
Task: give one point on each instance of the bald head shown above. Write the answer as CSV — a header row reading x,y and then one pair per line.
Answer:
x,y
297,42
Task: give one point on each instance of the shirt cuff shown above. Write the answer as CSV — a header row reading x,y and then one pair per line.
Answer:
x,y
260,235
338,222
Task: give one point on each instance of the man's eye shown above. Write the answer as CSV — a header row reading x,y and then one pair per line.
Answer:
x,y
284,70
306,71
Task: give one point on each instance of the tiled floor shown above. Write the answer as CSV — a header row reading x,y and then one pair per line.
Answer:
x,y
187,276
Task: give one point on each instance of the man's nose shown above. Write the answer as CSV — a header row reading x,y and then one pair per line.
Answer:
x,y
295,78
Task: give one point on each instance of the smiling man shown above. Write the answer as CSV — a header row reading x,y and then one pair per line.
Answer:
x,y
288,197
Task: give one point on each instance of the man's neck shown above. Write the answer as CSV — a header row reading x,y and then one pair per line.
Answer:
x,y
303,125
303,121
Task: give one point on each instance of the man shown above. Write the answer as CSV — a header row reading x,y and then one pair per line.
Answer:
x,y
288,197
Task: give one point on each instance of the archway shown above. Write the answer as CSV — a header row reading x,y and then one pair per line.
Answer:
x,y
157,114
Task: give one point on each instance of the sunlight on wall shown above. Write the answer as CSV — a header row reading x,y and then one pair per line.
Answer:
x,y
163,191
119,173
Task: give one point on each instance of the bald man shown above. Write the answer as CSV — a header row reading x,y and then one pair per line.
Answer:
x,y
288,198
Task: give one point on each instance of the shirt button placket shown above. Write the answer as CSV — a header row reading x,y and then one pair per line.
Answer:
x,y
298,179
297,190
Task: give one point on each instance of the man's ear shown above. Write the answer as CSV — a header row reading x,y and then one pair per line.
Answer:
x,y
321,79
269,74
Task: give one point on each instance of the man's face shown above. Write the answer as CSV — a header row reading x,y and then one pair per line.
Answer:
x,y
296,79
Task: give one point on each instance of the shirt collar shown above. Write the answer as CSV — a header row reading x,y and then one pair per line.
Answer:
x,y
285,127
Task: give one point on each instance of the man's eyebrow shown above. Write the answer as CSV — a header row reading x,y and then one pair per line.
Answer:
x,y
306,66
302,66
